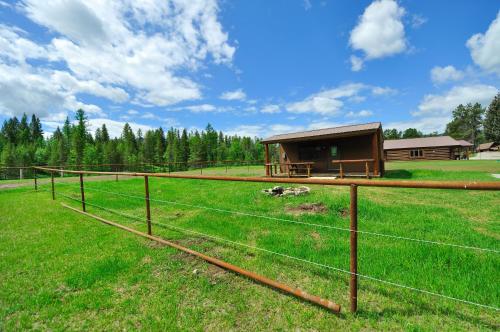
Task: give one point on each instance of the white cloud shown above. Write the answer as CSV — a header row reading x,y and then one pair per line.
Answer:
x,y
117,50
445,74
443,105
201,108
356,63
417,21
424,124
327,102
379,33
330,102
246,130
115,128
360,114
233,95
485,48
380,91
24,90
271,109
262,131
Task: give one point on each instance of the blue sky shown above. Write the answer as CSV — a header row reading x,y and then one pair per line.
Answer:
x,y
248,67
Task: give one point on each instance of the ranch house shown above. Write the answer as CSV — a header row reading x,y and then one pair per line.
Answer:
x,y
354,150
426,148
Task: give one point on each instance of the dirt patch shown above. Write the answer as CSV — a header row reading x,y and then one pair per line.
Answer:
x,y
11,185
155,244
307,208
343,212
315,235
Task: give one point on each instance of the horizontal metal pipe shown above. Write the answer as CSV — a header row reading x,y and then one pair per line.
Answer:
x,y
251,275
332,182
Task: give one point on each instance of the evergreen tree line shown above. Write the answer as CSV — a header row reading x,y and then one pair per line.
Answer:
x,y
470,122
22,144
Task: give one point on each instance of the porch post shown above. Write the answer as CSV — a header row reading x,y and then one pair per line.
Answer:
x,y
266,152
375,154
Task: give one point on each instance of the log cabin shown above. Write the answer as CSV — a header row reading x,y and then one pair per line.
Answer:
x,y
354,150
426,148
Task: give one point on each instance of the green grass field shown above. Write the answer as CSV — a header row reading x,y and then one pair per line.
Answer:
x,y
60,270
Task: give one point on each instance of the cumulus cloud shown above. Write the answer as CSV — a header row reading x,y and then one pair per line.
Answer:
x,y
119,50
233,95
443,104
330,102
356,63
271,109
201,108
115,128
485,48
360,114
379,33
24,91
262,130
424,124
381,91
444,74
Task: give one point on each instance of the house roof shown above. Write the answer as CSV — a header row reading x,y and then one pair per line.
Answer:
x,y
324,133
486,146
465,143
422,142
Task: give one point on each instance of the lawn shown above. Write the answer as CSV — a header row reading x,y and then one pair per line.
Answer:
x,y
61,270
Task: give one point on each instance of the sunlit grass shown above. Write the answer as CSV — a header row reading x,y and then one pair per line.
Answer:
x,y
60,270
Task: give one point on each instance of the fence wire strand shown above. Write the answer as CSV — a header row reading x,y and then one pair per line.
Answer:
x,y
396,237
329,267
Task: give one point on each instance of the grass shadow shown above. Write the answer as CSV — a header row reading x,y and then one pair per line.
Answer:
x,y
398,174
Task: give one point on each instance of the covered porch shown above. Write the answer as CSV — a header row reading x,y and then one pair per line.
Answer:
x,y
341,151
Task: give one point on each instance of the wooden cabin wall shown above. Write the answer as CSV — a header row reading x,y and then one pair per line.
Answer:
x,y
356,147
439,153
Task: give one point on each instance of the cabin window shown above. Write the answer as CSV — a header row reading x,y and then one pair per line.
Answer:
x,y
333,151
416,153
309,153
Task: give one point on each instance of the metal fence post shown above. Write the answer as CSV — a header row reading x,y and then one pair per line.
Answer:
x,y
148,208
353,283
82,191
34,177
52,181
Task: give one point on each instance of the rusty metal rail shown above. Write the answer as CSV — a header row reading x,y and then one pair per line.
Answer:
x,y
353,183
327,304
474,185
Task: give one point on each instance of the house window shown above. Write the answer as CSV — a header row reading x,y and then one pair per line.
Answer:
x,y
416,153
307,153
333,151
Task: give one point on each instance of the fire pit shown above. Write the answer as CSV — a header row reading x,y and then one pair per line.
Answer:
x,y
279,191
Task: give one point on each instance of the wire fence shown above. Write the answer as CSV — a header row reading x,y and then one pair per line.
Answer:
x,y
352,272
224,166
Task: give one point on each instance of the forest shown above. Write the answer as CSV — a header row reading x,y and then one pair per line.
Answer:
x,y
22,142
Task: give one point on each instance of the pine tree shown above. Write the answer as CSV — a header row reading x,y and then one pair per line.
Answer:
x,y
492,120
160,145
184,147
36,131
149,147
80,136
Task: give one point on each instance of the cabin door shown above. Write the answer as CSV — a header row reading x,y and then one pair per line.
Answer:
x,y
333,154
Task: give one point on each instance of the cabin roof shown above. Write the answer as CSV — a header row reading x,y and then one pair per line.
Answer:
x,y
422,142
343,131
465,143
486,146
